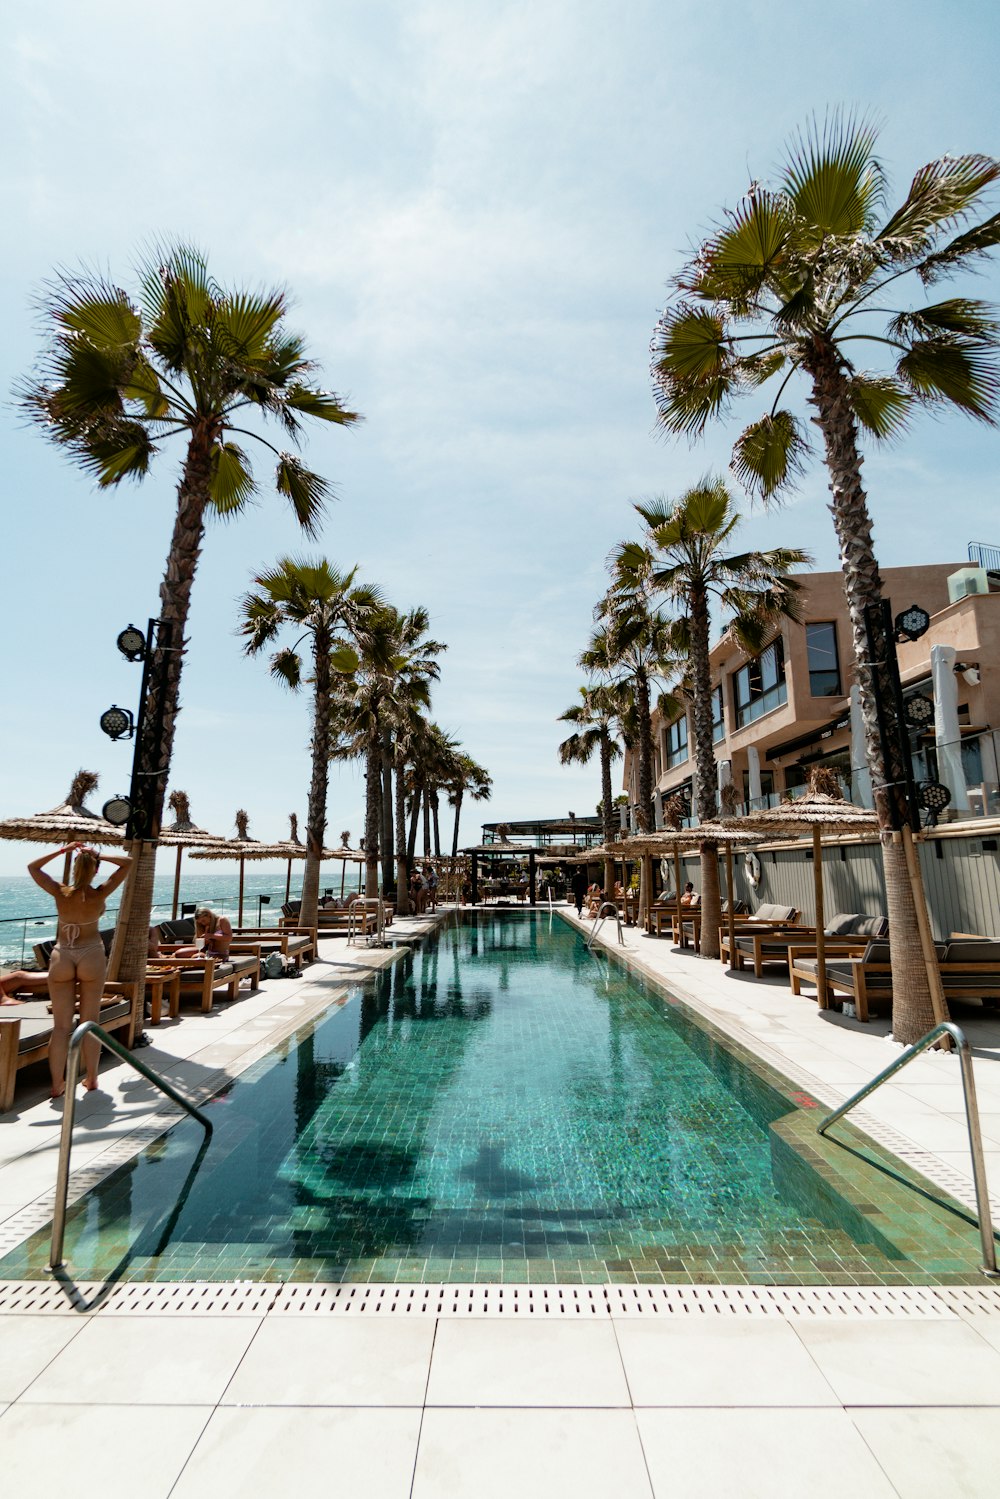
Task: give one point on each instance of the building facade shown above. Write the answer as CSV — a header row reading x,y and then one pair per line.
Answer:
x,y
790,708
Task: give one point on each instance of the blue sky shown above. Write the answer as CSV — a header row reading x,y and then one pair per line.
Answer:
x,y
476,208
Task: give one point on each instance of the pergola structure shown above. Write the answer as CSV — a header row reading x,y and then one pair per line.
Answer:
x,y
530,853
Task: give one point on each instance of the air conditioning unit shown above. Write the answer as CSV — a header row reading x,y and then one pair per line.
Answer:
x,y
967,580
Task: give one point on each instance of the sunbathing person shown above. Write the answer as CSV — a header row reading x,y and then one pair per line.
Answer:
x,y
21,978
212,936
78,959
690,896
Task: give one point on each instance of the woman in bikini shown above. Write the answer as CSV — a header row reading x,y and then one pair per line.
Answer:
x,y
212,933
78,959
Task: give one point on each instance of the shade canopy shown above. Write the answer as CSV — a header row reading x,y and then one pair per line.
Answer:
x,y
816,809
183,832
69,822
669,839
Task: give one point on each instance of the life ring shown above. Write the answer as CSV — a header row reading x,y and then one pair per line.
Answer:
x,y
752,865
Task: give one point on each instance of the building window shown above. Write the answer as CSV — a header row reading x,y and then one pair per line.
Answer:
x,y
677,741
718,722
767,796
824,665
759,686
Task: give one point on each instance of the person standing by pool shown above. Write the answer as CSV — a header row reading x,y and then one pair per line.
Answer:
x,y
78,959
578,885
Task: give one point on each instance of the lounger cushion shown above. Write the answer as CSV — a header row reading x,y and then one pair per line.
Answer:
x,y
36,1021
969,950
773,913
856,924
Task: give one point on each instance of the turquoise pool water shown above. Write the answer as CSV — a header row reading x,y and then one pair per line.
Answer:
x,y
498,1105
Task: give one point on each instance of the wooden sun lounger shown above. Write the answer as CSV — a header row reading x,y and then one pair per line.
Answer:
x,y
25,1031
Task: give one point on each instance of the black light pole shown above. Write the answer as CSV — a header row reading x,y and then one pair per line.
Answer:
x,y
148,787
262,900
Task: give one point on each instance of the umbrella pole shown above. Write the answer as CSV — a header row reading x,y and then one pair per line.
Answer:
x,y
677,877
821,994
177,882
66,864
239,919
731,903
288,883
343,876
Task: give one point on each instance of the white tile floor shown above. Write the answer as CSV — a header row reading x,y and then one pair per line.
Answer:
x,y
871,1401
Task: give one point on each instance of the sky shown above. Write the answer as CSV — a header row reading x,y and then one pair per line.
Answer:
x,y
476,209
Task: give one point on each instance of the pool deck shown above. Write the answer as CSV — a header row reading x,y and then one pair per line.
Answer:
x,y
395,1391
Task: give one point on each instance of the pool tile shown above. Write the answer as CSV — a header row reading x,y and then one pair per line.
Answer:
x,y
284,1451
710,1362
903,1362
29,1343
534,1454
109,1451
161,1360
935,1453
335,1361
759,1454
491,1363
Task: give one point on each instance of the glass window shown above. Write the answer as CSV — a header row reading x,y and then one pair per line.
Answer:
x,y
718,721
824,665
677,741
759,686
767,796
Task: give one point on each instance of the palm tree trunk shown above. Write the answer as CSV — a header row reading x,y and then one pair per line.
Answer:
x,y
645,736
402,863
373,766
387,818
912,1006
131,945
459,792
435,802
319,778
608,831
411,843
427,822
701,697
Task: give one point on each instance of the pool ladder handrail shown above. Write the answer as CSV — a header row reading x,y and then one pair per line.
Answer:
x,y
364,903
83,1030
601,918
945,1028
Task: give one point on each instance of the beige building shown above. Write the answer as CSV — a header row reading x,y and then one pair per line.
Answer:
x,y
790,708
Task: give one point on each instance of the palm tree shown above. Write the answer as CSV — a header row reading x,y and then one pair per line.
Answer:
x,y
794,281
318,601
187,359
686,559
596,717
469,779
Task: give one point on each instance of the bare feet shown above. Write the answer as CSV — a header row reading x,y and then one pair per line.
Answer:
x,y
10,999
90,1084
57,1092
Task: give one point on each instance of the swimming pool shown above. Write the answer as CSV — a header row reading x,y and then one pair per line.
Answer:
x,y
503,1105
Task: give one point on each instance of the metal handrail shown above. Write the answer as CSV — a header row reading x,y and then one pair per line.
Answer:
x,y
363,903
599,920
82,1031
946,1028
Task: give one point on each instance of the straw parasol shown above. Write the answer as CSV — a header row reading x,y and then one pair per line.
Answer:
x,y
70,822
182,833
243,847
821,810
677,840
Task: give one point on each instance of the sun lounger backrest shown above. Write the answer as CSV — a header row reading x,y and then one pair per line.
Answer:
x,y
773,913
966,951
856,924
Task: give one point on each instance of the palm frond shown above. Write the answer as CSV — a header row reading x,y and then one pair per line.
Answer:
x,y
286,667
261,621
769,454
961,250
744,257
955,371
243,324
322,404
941,193
344,659
231,483
95,311
833,179
880,404
116,450
307,491
969,318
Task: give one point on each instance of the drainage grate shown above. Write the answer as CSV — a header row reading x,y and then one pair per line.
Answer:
x,y
654,1302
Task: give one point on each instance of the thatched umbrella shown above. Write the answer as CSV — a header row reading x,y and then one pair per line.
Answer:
x,y
182,833
677,840
347,855
243,847
70,822
821,810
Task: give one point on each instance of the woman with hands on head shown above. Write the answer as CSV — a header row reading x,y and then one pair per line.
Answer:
x,y
78,959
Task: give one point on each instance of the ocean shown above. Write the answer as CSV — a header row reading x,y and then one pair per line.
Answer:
x,y
27,915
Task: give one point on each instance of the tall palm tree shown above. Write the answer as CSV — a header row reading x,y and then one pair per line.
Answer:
x,y
686,559
313,598
793,283
470,779
119,377
596,717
